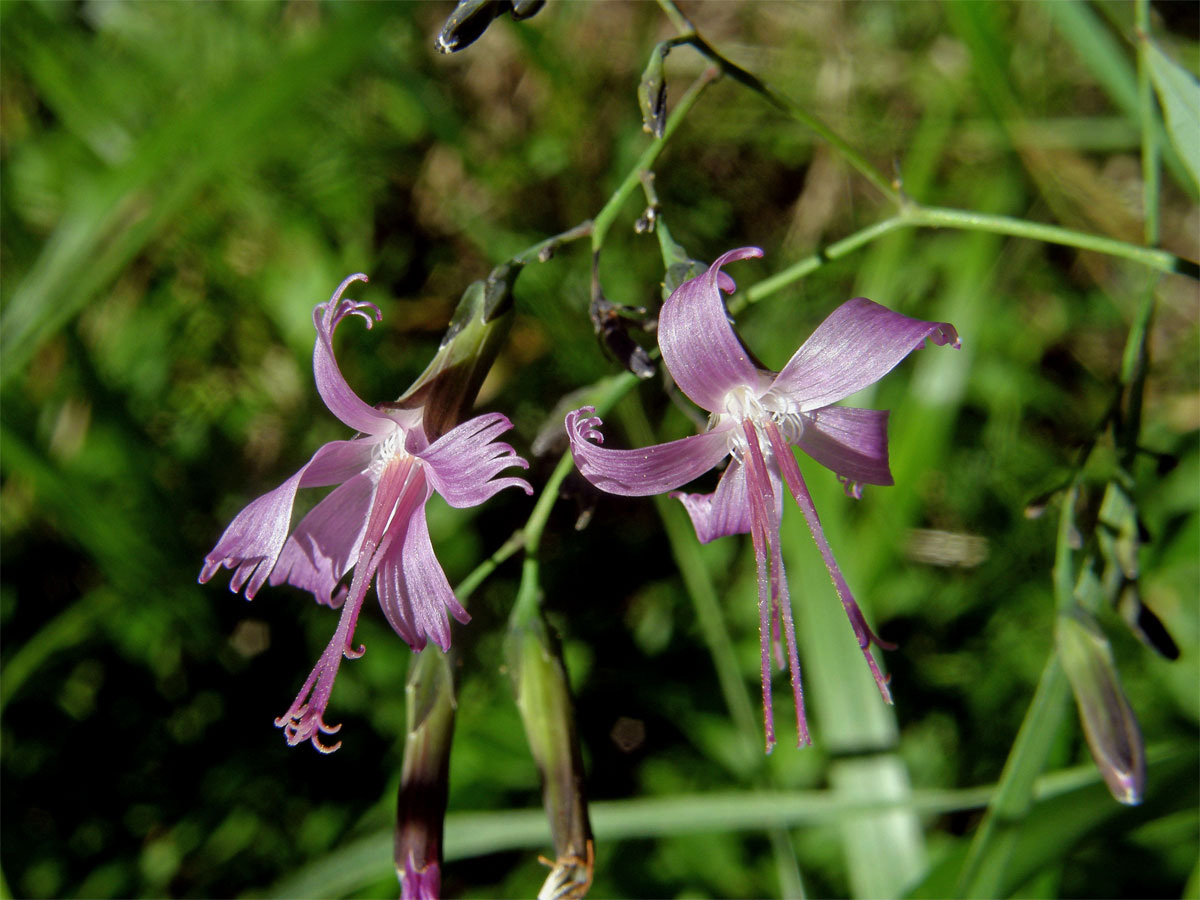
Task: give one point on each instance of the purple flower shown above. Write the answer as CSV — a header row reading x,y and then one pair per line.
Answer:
x,y
757,417
372,522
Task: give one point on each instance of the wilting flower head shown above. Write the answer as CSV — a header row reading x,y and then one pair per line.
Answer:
x,y
757,417
373,522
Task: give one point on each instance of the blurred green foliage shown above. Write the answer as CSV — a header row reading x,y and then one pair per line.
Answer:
x,y
182,183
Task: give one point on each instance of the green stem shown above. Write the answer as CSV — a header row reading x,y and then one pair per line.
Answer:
x,y
480,573
938,217
810,264
604,219
1150,151
543,250
528,600
916,216
679,21
982,872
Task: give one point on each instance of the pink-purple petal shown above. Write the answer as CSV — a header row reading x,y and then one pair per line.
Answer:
x,y
699,346
649,470
851,441
325,544
463,463
854,347
331,384
412,587
726,511
254,539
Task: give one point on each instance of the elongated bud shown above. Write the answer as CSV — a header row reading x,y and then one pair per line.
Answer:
x,y
1108,721
424,778
449,384
544,700
471,18
652,92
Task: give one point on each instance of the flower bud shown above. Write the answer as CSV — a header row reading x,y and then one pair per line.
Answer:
x,y
424,778
477,330
471,18
1109,724
544,700
652,92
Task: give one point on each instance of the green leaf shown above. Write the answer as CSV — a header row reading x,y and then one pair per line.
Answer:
x,y
1056,824
1179,94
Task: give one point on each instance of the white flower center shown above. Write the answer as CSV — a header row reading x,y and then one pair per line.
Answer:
x,y
743,404
387,450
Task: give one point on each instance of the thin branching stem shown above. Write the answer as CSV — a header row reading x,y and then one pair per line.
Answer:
x,y
604,219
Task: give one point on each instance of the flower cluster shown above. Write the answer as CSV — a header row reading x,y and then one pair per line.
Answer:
x,y
373,522
757,417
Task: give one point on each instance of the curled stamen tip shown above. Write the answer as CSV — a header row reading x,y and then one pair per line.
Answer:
x,y
354,652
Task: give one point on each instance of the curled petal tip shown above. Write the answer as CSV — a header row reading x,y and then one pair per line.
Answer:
x,y
336,308
324,748
739,253
581,424
947,334
723,281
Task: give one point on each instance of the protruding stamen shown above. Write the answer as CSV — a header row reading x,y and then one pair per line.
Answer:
x,y
795,482
763,501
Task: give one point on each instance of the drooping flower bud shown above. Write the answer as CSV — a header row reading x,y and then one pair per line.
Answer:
x,y
424,779
471,18
652,92
1109,724
544,700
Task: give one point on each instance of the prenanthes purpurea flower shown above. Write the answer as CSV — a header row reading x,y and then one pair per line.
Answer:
x,y
757,416
373,522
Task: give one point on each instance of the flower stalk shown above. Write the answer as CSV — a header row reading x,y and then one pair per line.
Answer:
x,y
424,778
543,695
